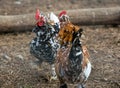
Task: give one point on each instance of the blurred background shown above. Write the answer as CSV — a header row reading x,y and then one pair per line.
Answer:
x,y
17,66
29,6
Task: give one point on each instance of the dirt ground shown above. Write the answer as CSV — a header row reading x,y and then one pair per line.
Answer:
x,y
18,69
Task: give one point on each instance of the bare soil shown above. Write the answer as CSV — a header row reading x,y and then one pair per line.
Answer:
x,y
18,69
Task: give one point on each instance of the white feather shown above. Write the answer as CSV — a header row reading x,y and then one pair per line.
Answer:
x,y
32,41
78,53
54,18
87,70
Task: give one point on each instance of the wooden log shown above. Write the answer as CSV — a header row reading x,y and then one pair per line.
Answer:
x,y
99,16
17,23
96,16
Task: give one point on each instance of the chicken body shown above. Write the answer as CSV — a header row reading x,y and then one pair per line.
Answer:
x,y
44,45
72,61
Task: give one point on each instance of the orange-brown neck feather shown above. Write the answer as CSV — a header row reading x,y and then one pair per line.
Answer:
x,y
86,56
66,32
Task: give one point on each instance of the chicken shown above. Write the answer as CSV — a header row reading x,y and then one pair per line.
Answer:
x,y
72,61
44,46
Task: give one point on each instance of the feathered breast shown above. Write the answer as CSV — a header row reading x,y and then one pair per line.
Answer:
x,y
44,45
69,62
72,64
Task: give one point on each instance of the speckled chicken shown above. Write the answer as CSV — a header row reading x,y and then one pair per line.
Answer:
x,y
44,45
72,60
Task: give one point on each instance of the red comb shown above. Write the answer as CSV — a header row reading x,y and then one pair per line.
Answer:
x,y
62,13
37,15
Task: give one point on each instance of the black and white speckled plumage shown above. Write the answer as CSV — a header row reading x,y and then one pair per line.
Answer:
x,y
44,45
75,58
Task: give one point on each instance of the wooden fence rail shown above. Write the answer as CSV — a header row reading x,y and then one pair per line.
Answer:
x,y
96,16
